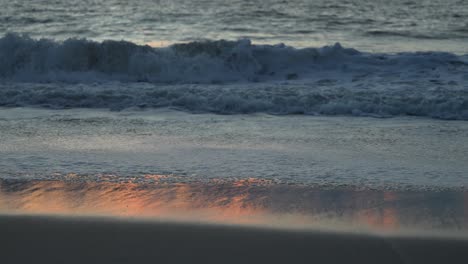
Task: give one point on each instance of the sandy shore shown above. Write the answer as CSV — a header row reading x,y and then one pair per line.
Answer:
x,y
52,239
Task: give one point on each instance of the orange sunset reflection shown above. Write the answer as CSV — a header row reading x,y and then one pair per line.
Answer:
x,y
248,201
178,200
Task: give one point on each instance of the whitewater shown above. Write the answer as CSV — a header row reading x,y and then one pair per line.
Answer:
x,y
231,77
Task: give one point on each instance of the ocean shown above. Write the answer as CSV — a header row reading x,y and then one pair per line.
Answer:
x,y
374,26
337,99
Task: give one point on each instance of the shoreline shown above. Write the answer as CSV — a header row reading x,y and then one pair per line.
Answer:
x,y
243,202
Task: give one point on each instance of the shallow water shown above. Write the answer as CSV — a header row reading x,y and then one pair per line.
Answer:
x,y
378,153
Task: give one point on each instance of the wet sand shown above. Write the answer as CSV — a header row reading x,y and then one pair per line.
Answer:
x,y
53,239
243,202
227,222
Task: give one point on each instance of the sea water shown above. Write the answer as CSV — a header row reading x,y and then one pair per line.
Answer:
x,y
321,95
376,26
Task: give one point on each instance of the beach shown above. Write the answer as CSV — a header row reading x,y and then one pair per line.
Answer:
x,y
260,131
133,186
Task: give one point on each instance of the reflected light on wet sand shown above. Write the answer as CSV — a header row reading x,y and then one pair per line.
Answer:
x,y
250,201
179,201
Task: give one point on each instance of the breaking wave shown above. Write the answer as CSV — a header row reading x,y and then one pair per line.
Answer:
x,y
80,60
231,77
321,99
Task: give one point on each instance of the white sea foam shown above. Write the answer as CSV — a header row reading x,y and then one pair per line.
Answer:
x,y
231,77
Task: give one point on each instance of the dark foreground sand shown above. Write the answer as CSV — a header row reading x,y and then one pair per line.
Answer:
x,y
45,239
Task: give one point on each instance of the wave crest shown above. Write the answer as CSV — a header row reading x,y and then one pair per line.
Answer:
x,y
26,59
231,77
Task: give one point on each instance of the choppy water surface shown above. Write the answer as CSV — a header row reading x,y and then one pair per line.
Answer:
x,y
378,26
395,58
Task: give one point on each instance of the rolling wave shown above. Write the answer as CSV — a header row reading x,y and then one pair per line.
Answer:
x,y
80,60
231,77
283,99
